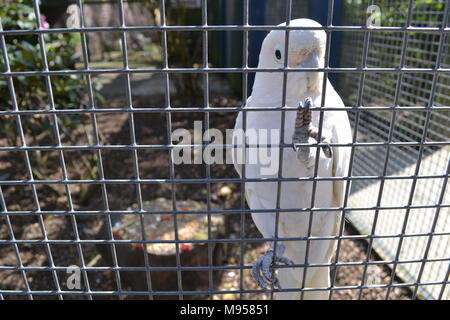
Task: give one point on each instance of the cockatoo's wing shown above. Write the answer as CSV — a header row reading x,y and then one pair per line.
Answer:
x,y
256,199
234,151
341,133
325,223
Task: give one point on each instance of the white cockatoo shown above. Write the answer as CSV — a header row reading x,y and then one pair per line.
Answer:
x,y
303,89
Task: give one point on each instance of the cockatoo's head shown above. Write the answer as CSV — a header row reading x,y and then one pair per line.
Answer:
x,y
306,50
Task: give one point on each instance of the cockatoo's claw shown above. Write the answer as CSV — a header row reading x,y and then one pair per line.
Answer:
x,y
256,271
304,130
285,261
314,133
261,269
327,151
308,102
265,267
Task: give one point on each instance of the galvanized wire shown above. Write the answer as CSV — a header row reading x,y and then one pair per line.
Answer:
x,y
366,75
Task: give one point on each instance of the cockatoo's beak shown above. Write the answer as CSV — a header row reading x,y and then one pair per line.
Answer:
x,y
312,61
300,60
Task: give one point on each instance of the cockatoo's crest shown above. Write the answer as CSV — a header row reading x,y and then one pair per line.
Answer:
x,y
306,50
301,44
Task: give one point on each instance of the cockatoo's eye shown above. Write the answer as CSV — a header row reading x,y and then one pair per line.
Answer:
x,y
278,54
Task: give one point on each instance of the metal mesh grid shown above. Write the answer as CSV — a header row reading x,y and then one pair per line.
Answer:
x,y
416,89
385,129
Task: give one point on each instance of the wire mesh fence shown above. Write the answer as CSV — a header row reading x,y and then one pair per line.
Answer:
x,y
104,206
421,90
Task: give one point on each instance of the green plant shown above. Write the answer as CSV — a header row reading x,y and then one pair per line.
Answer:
x,y
24,55
32,93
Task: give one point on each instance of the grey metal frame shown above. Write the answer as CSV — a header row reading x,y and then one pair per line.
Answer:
x,y
137,181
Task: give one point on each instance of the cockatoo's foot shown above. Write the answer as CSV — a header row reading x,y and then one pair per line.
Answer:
x,y
305,130
261,268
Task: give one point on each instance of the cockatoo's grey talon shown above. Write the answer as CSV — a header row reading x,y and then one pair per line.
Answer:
x,y
285,261
265,267
308,102
326,148
304,130
256,272
327,151
261,268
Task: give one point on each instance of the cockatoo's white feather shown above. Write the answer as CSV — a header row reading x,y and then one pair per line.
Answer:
x,y
306,49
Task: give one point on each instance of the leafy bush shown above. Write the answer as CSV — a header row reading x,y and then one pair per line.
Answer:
x,y
69,91
24,55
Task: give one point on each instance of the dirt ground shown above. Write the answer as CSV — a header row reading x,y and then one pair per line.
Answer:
x,y
150,128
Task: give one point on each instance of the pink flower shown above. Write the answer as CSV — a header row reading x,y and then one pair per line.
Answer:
x,y
44,23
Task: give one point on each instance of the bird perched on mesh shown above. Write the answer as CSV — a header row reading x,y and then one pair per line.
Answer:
x,y
298,128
